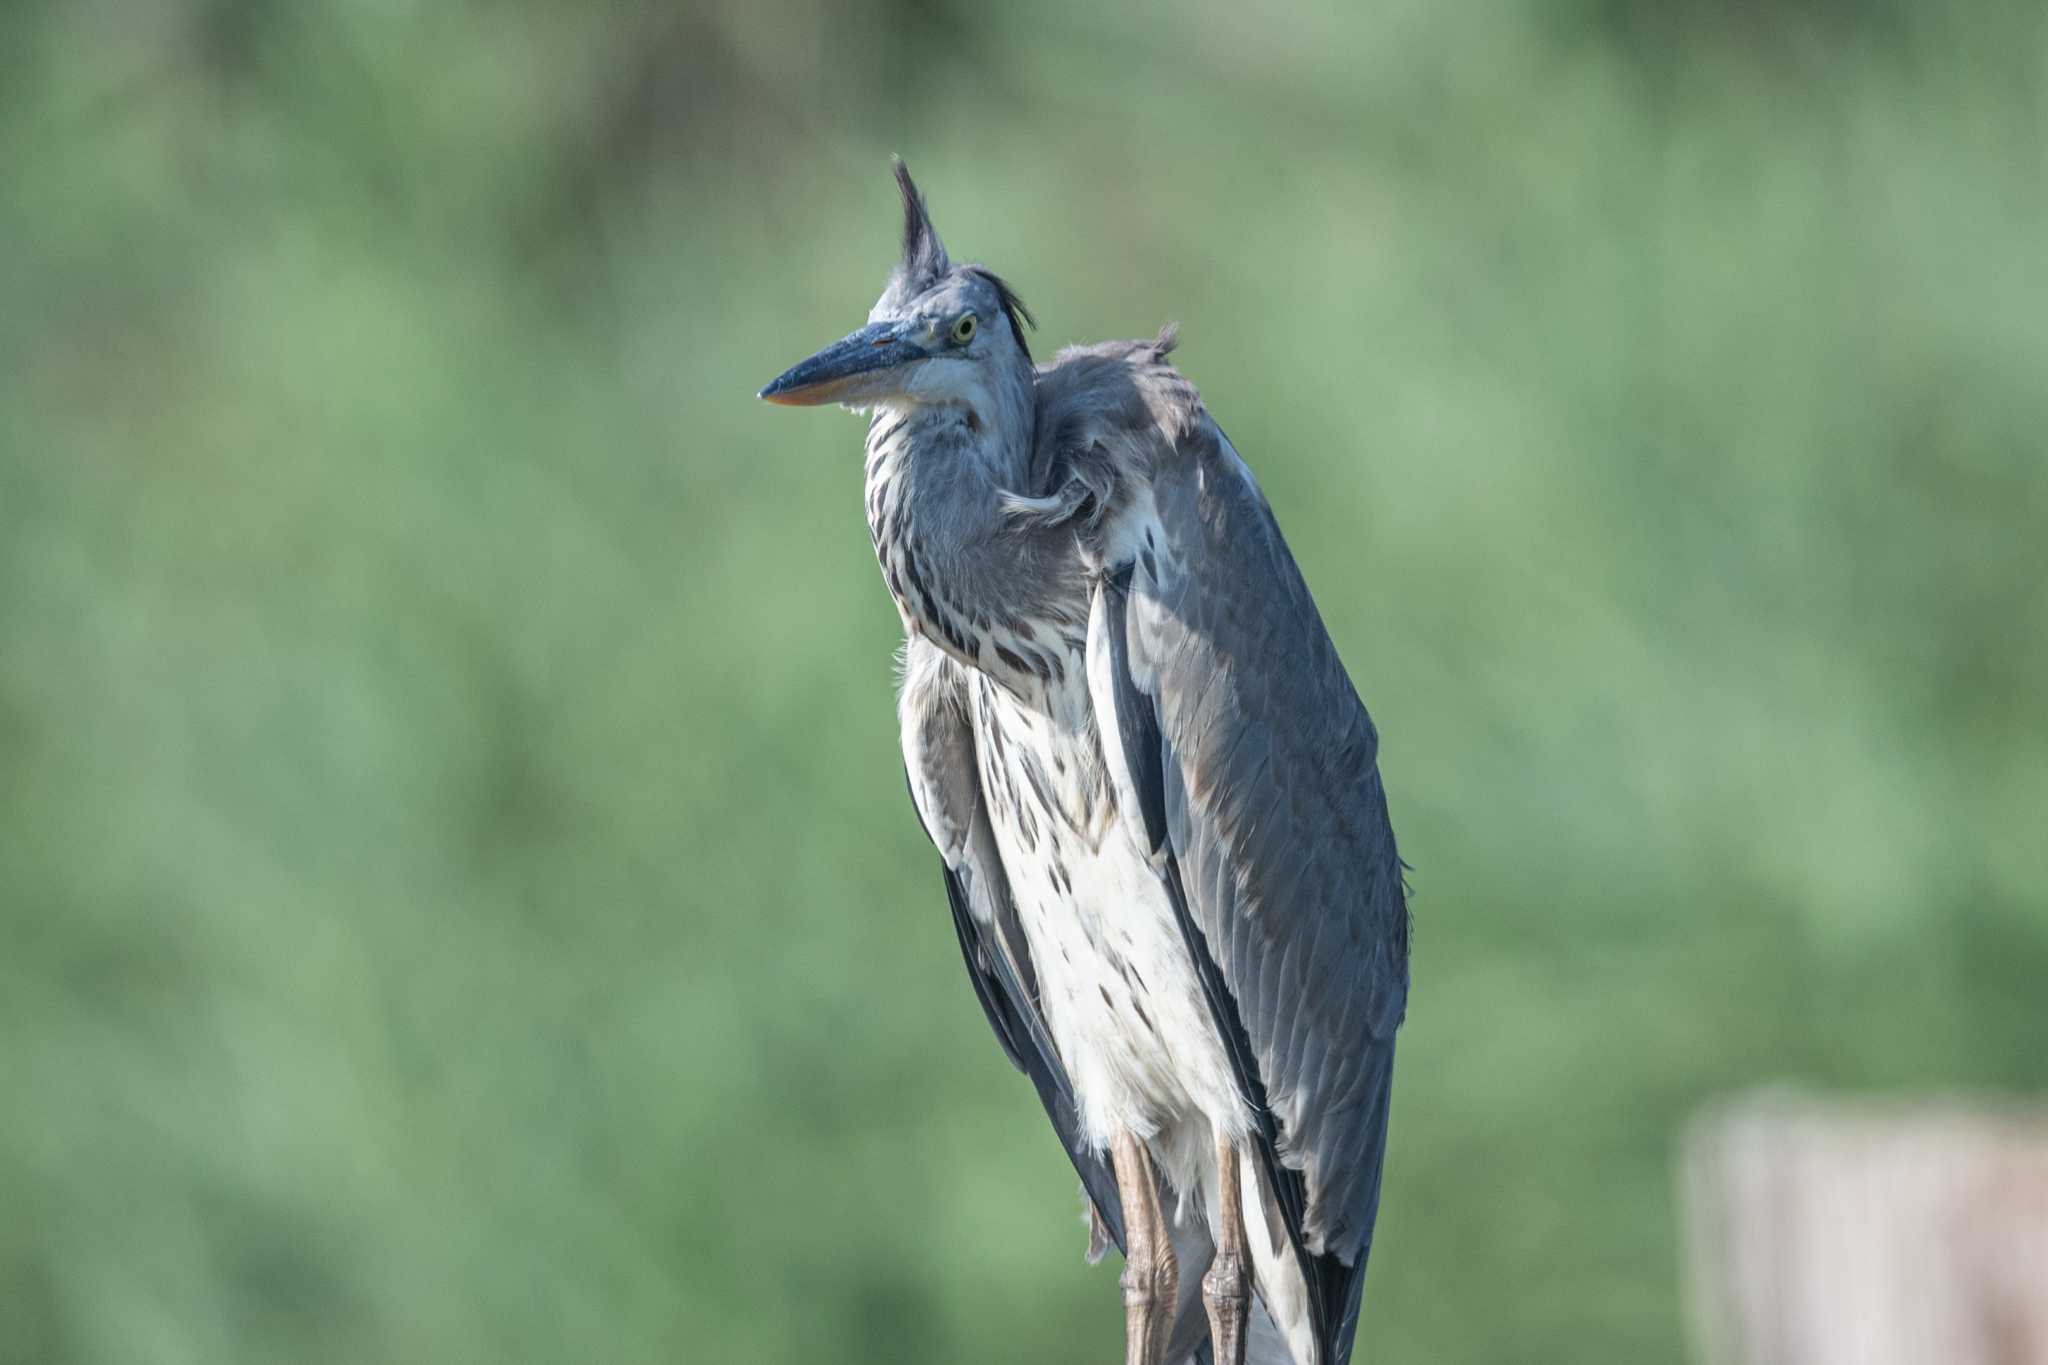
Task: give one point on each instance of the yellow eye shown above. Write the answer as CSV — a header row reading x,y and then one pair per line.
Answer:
x,y
963,330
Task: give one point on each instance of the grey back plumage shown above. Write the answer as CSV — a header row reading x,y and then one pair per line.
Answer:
x,y
1255,766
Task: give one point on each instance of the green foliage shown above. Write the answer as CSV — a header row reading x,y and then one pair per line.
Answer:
x,y
457,894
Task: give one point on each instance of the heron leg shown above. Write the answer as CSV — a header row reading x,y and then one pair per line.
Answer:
x,y
1151,1279
1227,1288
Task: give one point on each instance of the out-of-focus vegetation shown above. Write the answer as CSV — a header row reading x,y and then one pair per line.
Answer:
x,y
457,900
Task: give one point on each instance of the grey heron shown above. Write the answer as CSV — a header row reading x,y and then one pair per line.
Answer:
x,y
1155,795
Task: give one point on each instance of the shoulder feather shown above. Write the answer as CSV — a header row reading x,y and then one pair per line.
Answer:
x,y
1106,415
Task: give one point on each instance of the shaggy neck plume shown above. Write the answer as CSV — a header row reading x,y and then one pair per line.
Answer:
x,y
1001,597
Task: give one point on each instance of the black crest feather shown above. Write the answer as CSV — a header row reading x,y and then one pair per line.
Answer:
x,y
924,255
1013,307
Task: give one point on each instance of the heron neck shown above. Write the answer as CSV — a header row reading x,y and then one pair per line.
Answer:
x,y
1004,598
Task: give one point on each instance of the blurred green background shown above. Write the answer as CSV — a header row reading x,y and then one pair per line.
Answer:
x,y
457,898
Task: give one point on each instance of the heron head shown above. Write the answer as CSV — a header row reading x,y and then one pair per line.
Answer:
x,y
940,333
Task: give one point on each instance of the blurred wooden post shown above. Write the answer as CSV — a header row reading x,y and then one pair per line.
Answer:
x,y
1821,1233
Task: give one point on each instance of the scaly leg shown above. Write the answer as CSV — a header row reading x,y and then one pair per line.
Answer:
x,y
1151,1278
1226,1289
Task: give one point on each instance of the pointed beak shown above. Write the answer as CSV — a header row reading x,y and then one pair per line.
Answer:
x,y
843,369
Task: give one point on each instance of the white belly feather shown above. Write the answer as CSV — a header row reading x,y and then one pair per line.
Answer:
x,y
1116,982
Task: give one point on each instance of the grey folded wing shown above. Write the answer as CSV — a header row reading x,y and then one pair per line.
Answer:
x,y
1254,766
